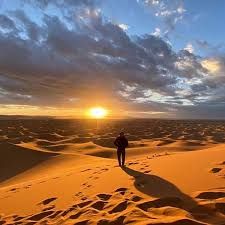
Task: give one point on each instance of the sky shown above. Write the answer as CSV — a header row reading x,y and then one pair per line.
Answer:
x,y
137,58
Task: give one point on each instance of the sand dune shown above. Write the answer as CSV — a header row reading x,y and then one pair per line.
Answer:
x,y
15,159
72,177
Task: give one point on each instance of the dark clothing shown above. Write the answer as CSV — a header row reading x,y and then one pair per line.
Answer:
x,y
121,154
121,143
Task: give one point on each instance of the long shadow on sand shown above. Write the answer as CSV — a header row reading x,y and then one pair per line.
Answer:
x,y
154,186
167,194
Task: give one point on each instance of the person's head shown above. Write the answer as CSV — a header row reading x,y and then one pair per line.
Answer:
x,y
121,134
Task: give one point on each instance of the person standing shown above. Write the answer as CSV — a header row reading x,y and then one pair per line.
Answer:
x,y
121,143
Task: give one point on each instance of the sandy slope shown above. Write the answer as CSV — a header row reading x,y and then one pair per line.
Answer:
x,y
83,185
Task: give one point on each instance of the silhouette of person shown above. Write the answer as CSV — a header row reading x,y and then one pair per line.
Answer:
x,y
121,143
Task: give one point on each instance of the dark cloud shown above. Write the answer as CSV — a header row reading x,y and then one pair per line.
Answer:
x,y
32,30
6,22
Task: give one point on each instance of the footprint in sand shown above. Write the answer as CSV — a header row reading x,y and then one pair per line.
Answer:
x,y
13,189
83,204
104,197
99,205
79,194
122,191
144,167
100,171
83,222
68,174
161,202
93,177
68,210
28,186
132,163
47,201
215,170
40,216
119,208
42,182
18,218
85,170
49,208
211,195
86,185
55,214
136,198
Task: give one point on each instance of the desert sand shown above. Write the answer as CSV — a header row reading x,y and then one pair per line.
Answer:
x,y
56,171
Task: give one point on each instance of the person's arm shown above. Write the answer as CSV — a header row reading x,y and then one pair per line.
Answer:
x,y
116,142
126,142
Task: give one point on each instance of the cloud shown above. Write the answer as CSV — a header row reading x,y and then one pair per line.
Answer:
x,y
82,58
212,65
59,3
6,22
171,12
157,32
189,47
123,26
209,48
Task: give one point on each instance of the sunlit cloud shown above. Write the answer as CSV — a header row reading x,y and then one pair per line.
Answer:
x,y
189,47
144,114
13,109
157,32
212,65
123,26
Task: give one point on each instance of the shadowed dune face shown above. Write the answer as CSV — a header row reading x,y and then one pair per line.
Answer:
x,y
15,160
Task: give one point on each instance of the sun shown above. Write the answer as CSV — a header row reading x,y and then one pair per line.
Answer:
x,y
98,112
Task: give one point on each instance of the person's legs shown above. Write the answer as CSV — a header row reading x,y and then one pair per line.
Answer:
x,y
119,157
123,157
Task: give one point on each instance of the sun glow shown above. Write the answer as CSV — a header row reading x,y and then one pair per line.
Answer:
x,y
212,65
98,112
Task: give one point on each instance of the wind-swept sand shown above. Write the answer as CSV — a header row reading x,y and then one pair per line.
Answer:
x,y
51,174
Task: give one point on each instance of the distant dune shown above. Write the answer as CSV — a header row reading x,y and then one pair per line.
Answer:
x,y
65,172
